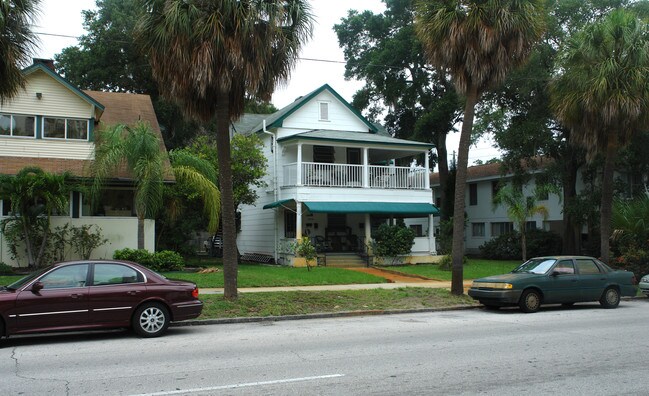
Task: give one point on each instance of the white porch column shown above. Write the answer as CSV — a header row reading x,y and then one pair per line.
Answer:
x,y
366,167
368,232
426,165
298,174
432,248
298,220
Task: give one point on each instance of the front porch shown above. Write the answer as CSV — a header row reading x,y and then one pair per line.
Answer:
x,y
342,231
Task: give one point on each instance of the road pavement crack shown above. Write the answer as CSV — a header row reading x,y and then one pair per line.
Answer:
x,y
18,375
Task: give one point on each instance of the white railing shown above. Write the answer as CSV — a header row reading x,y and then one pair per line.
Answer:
x,y
343,175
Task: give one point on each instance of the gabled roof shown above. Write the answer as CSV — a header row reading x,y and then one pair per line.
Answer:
x,y
276,119
40,66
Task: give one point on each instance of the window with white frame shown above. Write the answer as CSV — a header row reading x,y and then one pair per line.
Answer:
x,y
323,108
65,128
477,229
17,125
500,228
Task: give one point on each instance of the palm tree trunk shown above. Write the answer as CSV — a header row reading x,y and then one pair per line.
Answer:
x,y
571,228
606,206
140,233
523,244
227,197
457,287
442,159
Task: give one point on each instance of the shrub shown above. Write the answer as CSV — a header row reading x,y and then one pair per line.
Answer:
x,y
305,248
393,241
446,263
508,246
168,260
165,260
6,269
634,260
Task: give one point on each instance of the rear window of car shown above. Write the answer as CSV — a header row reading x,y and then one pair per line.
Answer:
x,y
115,274
586,267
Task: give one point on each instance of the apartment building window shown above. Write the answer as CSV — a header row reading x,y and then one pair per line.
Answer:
x,y
477,229
65,128
530,226
500,228
17,125
473,194
495,187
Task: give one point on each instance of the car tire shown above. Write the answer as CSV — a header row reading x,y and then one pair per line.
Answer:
x,y
530,301
151,320
610,298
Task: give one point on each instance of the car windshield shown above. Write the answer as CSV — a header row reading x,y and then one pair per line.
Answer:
x,y
23,281
535,266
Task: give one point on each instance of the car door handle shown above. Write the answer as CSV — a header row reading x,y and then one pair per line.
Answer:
x,y
573,280
133,292
75,296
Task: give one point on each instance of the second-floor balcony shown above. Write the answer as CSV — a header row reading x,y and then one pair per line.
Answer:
x,y
315,174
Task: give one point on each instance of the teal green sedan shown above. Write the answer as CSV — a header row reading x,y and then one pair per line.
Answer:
x,y
555,280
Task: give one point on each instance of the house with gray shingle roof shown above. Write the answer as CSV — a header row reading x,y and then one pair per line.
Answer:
x,y
53,124
332,177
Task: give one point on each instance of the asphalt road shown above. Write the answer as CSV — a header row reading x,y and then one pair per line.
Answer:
x,y
583,350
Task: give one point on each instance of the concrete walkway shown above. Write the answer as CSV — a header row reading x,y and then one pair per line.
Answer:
x,y
395,281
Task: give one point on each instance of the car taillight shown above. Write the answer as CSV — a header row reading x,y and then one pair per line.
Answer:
x,y
195,292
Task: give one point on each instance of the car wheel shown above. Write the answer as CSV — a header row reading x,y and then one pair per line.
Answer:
x,y
610,298
530,301
151,320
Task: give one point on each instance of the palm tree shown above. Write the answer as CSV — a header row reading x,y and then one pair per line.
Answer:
x,y
34,195
140,150
197,175
478,42
519,209
208,55
137,148
603,95
631,222
16,42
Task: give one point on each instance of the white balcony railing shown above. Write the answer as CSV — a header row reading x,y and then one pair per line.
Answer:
x,y
343,175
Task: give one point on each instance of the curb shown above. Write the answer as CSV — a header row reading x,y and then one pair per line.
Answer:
x,y
325,315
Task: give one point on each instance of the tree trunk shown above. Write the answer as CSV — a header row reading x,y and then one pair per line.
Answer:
x,y
457,287
523,243
606,206
140,232
571,227
227,199
442,158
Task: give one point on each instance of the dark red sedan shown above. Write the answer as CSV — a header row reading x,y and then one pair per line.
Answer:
x,y
95,294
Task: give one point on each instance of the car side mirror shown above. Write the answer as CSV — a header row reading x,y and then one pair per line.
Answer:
x,y
556,273
36,287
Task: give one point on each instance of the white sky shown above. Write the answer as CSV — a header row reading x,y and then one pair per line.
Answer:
x,y
64,18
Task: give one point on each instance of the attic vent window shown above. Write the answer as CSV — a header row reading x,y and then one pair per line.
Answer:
x,y
324,111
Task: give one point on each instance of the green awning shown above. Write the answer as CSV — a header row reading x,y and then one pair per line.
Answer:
x,y
386,208
277,203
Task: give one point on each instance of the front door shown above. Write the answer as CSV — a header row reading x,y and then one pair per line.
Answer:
x,y
562,285
60,304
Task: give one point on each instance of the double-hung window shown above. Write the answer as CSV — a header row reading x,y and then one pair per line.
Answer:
x,y
17,125
65,128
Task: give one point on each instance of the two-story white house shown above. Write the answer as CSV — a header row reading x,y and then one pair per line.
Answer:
x,y
52,125
332,177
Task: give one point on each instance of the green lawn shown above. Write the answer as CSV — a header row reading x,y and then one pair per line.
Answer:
x,y
269,276
300,303
8,279
476,268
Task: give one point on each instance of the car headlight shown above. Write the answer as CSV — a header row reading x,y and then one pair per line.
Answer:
x,y
492,285
645,278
